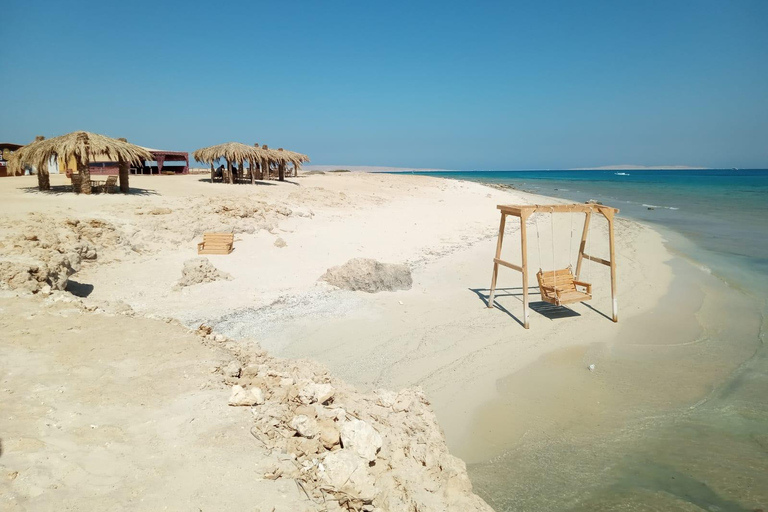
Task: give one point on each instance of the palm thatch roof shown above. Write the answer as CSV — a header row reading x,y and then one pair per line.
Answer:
x,y
284,156
230,151
297,157
81,146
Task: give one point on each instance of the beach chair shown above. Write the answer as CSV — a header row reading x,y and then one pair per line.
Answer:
x,y
108,186
558,287
216,243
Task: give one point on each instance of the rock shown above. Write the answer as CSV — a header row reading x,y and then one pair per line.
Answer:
x,y
367,275
219,338
329,434
258,396
241,397
313,392
385,398
198,271
361,438
280,243
346,472
403,403
232,369
160,211
305,426
306,410
31,274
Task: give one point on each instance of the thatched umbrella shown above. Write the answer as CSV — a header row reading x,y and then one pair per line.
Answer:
x,y
82,146
297,160
278,157
231,152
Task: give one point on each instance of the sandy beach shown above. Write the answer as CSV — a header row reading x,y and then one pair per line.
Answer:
x,y
76,367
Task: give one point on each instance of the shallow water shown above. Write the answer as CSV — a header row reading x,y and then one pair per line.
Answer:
x,y
678,422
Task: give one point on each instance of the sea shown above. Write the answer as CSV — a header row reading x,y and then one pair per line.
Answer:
x,y
709,455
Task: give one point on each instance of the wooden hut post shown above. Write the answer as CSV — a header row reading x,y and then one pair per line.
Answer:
x,y
252,167
230,176
124,171
213,173
84,166
43,177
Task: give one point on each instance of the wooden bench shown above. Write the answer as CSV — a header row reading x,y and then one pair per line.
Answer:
x,y
216,243
558,287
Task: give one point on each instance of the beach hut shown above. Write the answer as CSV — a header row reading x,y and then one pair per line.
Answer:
x,y
7,149
280,158
297,160
80,147
234,154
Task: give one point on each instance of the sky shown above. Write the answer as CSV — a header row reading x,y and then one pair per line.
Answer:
x,y
452,85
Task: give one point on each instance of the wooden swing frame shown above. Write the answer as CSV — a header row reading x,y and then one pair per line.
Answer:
x,y
523,212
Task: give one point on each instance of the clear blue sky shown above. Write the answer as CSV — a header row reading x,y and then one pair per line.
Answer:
x,y
459,85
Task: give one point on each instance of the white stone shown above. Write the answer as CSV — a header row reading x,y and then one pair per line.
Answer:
x,y
258,396
305,426
347,472
361,438
241,397
313,392
385,398
232,369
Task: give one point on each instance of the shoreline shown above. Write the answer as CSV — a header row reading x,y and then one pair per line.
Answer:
x,y
438,335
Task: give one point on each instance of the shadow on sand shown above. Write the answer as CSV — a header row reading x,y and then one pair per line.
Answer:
x,y
58,190
79,289
545,309
271,183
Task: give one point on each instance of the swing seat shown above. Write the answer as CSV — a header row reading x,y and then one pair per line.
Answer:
x,y
558,287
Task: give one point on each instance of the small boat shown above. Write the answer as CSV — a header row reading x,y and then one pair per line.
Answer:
x,y
621,174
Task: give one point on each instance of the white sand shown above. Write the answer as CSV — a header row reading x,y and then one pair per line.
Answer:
x,y
438,335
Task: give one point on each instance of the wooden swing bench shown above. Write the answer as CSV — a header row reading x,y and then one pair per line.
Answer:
x,y
216,243
558,287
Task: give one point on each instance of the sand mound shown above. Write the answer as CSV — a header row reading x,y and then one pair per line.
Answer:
x,y
369,275
198,271
347,450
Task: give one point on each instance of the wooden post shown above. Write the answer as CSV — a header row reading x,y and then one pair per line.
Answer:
x,y
498,256
213,173
229,170
124,172
252,168
583,246
612,244
524,244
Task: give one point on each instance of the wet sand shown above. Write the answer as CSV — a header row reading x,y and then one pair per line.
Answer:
x,y
649,426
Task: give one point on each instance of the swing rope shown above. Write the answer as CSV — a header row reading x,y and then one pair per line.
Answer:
x,y
554,266
538,239
570,244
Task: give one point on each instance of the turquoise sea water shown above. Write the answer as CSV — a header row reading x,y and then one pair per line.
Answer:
x,y
711,454
724,212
